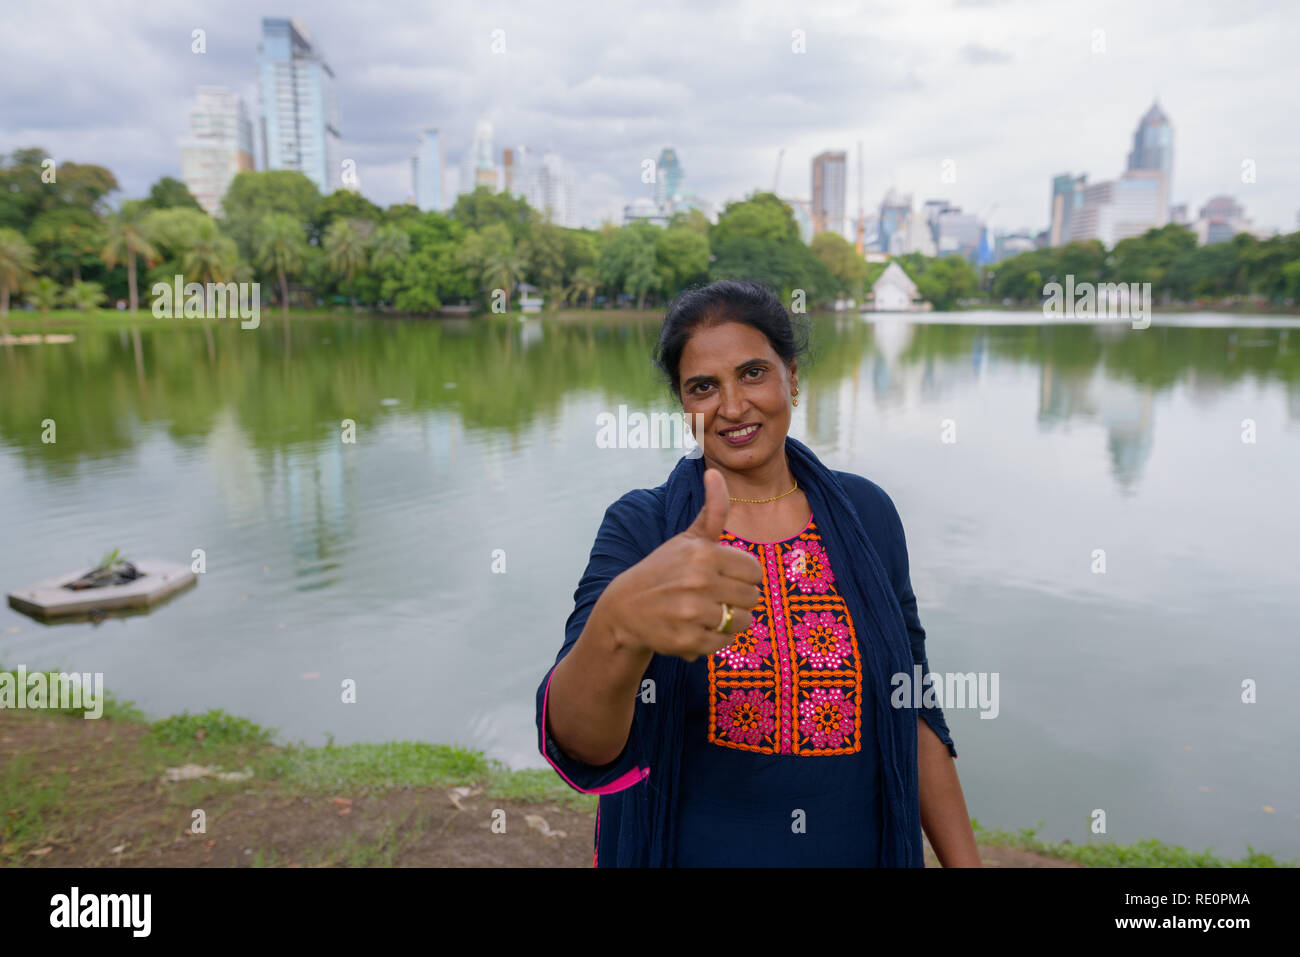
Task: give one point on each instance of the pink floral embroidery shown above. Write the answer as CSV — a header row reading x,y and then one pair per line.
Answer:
x,y
749,649
823,640
745,716
808,568
826,717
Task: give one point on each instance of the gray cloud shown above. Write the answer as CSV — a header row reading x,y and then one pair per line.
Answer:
x,y
610,84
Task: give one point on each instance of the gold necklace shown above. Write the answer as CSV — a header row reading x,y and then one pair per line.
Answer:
x,y
759,501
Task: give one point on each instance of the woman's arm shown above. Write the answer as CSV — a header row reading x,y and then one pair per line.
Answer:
x,y
943,808
593,689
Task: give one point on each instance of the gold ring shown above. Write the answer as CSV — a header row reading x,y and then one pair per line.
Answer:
x,y
725,624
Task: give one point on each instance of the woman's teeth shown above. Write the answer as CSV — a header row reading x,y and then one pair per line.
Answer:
x,y
738,433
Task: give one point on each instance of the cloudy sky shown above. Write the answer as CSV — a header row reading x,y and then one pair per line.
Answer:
x,y
1010,91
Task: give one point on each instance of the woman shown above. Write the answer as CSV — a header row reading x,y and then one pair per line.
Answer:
x,y
725,679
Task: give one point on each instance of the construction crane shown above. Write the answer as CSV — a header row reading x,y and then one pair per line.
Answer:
x,y
776,177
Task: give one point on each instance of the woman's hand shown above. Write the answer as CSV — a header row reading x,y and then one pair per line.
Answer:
x,y
670,602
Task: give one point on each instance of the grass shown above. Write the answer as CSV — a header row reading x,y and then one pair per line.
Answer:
x,y
1145,853
53,805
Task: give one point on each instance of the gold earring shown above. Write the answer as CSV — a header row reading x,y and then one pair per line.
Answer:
x,y
794,397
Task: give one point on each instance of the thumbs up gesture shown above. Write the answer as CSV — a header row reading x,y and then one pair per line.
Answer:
x,y
671,601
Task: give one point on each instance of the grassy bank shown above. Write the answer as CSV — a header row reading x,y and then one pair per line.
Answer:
x,y
98,793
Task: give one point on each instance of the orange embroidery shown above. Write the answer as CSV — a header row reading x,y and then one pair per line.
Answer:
x,y
792,682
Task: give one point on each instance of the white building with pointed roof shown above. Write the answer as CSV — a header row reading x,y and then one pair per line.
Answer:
x,y
894,291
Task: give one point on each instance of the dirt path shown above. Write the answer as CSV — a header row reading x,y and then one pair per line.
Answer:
x,y
82,810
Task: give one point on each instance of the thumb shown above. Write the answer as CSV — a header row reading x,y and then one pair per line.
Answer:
x,y
713,516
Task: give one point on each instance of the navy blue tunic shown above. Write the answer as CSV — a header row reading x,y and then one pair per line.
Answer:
x,y
772,772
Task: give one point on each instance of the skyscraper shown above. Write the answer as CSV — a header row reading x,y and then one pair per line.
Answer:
x,y
426,172
298,104
546,183
477,166
895,222
1153,147
1067,199
668,178
829,181
219,145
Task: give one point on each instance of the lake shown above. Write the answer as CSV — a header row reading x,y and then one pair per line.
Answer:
x,y
373,560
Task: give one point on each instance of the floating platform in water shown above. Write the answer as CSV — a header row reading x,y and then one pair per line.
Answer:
x,y
54,598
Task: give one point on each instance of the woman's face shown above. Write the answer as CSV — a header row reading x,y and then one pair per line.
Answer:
x,y
732,379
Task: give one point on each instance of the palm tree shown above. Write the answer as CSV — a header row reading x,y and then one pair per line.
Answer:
x,y
211,256
389,245
345,251
502,269
585,283
282,247
16,261
126,240
44,293
84,296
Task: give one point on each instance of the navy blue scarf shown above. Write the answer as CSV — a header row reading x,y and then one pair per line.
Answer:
x,y
646,836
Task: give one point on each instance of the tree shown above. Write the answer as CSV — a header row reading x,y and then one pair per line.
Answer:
x,y
839,257
127,240
585,283
84,296
762,216
628,262
211,257
482,208
681,258
388,247
66,240
345,204
543,255
281,248
345,250
44,293
252,196
16,261
170,193
947,280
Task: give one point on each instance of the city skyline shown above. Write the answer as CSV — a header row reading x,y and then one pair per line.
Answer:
x,y
727,115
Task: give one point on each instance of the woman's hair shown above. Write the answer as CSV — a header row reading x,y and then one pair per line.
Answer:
x,y
727,300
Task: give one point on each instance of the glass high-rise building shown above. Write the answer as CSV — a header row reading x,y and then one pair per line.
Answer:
x,y
219,145
1153,147
477,165
299,105
829,181
426,172
668,177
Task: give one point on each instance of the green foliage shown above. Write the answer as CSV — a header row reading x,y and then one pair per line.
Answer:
x,y
1103,853
628,262
170,193
252,196
44,293
758,239
841,259
1169,259
209,729
83,296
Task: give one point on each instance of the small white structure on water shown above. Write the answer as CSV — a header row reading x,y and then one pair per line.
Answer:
x,y
894,291
529,303
51,598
